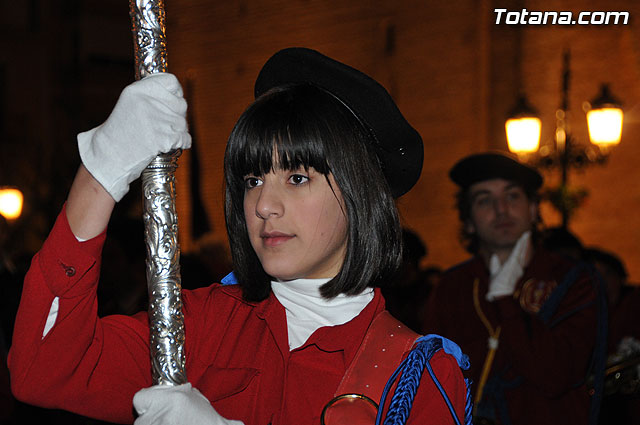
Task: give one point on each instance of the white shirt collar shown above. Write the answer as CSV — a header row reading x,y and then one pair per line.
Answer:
x,y
308,311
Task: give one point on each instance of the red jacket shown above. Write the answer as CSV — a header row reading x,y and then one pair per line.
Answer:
x,y
237,352
541,364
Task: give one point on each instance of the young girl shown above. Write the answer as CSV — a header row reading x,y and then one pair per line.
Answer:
x,y
311,169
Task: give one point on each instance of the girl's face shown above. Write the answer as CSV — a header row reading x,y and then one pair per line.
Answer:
x,y
296,223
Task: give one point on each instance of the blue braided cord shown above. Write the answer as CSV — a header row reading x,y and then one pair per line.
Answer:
x,y
453,349
409,380
412,368
444,394
468,407
229,279
385,392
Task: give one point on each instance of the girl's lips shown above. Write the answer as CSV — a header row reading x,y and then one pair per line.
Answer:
x,y
275,238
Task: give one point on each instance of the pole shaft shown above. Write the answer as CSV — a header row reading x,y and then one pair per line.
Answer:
x,y
166,323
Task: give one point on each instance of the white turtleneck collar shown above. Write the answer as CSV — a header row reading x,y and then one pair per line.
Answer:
x,y
307,310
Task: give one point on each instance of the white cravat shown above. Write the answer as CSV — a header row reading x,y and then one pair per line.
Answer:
x,y
307,310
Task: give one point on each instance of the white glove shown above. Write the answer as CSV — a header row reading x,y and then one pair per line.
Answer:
x,y
505,276
176,405
148,119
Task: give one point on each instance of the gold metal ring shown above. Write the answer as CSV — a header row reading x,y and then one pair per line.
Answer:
x,y
352,396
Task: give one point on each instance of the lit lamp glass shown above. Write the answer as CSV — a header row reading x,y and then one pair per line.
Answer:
x,y
523,134
523,128
605,126
604,119
11,200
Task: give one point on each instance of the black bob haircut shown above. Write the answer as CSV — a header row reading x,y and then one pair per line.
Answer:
x,y
305,126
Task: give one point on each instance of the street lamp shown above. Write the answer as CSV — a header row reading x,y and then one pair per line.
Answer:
x,y
523,128
604,120
10,202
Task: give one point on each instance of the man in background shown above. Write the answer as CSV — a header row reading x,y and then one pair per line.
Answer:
x,y
527,318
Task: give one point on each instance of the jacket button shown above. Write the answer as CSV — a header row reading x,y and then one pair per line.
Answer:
x,y
69,271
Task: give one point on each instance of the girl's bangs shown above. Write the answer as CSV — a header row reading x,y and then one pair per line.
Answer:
x,y
267,144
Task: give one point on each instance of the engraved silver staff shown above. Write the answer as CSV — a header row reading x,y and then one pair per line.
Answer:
x,y
166,322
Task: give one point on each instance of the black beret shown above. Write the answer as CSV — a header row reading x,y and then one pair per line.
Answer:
x,y
492,165
397,145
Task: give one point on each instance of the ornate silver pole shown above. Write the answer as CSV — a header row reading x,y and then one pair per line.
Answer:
x,y
166,322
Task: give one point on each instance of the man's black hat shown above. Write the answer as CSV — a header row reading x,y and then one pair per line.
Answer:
x,y
492,165
397,145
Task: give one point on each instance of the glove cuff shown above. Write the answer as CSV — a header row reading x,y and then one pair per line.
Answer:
x,y
93,161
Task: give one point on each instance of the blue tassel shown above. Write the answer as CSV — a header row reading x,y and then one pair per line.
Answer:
x,y
412,369
408,384
468,407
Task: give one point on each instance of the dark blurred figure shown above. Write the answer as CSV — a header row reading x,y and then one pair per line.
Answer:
x,y
13,267
563,242
8,284
432,275
7,402
209,262
406,298
122,288
621,404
